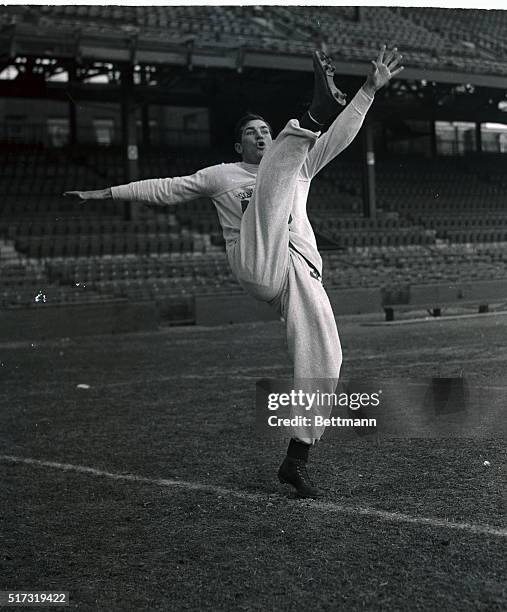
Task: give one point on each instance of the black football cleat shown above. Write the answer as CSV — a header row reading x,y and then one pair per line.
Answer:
x,y
327,98
293,472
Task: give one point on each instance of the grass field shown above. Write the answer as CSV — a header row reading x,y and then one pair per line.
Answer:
x,y
151,491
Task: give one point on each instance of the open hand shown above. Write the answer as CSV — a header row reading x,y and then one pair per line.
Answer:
x,y
99,194
79,194
384,68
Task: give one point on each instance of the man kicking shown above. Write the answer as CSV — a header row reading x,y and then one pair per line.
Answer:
x,y
271,247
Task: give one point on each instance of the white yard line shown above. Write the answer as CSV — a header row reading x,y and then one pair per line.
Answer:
x,y
382,515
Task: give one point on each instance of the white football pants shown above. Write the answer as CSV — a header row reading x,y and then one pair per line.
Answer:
x,y
272,272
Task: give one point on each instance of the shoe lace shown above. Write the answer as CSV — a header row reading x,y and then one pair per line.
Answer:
x,y
302,472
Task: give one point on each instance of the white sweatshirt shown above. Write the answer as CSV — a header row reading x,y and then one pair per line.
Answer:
x,y
231,185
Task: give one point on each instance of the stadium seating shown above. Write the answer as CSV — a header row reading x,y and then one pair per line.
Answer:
x,y
147,277
472,41
185,274
25,282
439,221
400,266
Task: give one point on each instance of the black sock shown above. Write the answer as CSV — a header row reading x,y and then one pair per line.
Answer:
x,y
298,450
309,123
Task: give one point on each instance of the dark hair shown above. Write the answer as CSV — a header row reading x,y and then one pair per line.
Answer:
x,y
244,120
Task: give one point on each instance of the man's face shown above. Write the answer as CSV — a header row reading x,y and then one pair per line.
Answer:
x,y
255,140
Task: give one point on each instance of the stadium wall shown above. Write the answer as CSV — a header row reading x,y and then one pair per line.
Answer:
x,y
70,320
241,308
225,309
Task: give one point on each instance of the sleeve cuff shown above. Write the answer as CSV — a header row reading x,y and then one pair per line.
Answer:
x,y
120,192
362,101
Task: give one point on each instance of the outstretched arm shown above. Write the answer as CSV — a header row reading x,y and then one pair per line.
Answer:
x,y
162,192
97,194
348,123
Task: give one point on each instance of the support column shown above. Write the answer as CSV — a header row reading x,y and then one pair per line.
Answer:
x,y
129,147
433,139
385,140
145,113
145,123
72,72
369,200
478,137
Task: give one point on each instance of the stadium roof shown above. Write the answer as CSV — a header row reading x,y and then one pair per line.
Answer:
x,y
453,46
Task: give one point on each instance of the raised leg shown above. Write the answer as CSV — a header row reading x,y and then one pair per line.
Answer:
x,y
260,257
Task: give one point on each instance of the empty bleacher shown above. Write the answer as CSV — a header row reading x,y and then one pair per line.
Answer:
x,y
25,282
471,41
439,221
147,277
400,266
